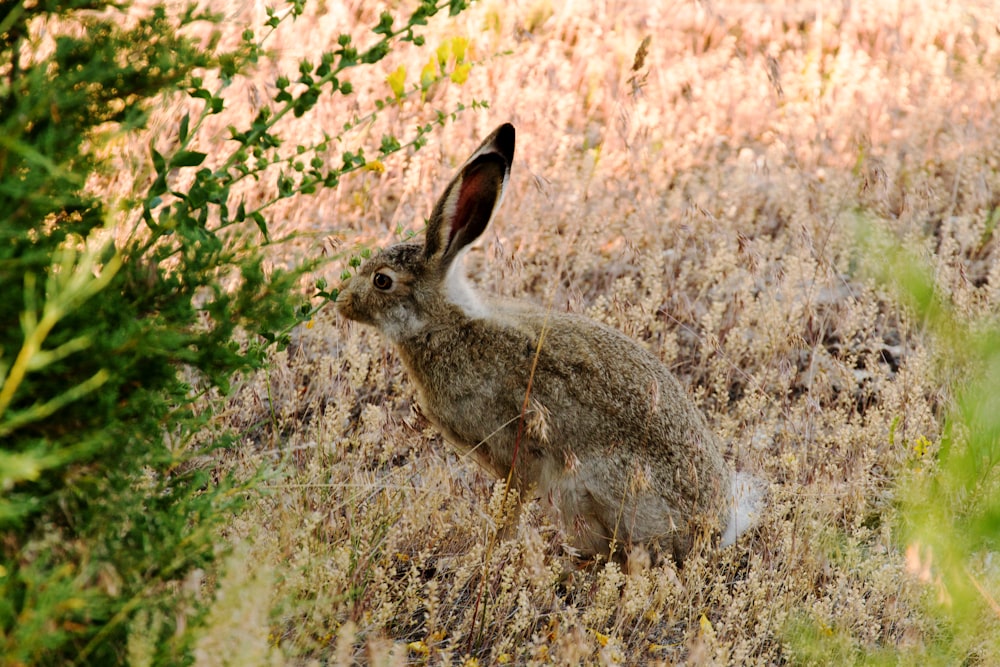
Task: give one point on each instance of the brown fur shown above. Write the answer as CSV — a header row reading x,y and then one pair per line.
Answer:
x,y
612,444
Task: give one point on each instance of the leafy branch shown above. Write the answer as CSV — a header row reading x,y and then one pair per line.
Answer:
x,y
72,280
258,145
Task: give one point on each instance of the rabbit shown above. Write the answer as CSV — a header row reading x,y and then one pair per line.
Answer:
x,y
610,443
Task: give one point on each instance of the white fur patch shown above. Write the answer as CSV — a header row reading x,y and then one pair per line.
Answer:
x,y
402,324
460,293
449,208
746,496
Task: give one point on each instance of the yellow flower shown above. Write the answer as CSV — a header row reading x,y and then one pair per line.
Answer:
x,y
601,639
707,630
458,48
397,81
461,73
419,647
428,74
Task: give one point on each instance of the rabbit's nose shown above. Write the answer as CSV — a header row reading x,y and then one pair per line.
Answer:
x,y
343,306
343,301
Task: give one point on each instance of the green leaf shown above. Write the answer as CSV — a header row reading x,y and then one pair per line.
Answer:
x,y
17,467
376,53
159,164
258,218
187,159
384,26
390,144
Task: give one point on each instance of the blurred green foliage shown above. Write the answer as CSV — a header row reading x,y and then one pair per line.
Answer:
x,y
947,522
115,320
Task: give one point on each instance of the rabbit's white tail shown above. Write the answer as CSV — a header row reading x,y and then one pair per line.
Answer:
x,y
746,502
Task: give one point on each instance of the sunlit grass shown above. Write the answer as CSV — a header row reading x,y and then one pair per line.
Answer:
x,y
704,202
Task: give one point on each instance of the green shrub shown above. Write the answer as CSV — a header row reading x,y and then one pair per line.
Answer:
x,y
948,493
116,320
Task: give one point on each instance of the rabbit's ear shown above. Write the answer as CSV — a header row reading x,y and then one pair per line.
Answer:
x,y
467,204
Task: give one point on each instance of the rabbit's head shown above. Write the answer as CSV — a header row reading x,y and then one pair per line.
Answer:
x,y
408,286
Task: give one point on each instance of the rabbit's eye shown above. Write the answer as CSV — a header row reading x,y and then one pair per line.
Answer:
x,y
381,281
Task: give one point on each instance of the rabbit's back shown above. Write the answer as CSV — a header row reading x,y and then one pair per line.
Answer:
x,y
610,439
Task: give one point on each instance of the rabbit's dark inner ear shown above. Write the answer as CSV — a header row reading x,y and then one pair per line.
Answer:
x,y
478,195
466,207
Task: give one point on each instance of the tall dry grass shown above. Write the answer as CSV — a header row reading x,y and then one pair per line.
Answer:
x,y
702,198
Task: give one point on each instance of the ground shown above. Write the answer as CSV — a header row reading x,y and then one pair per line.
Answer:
x,y
697,175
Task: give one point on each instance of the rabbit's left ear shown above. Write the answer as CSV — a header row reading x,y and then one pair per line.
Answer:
x,y
468,203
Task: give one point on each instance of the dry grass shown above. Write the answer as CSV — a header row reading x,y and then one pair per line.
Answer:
x,y
703,203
